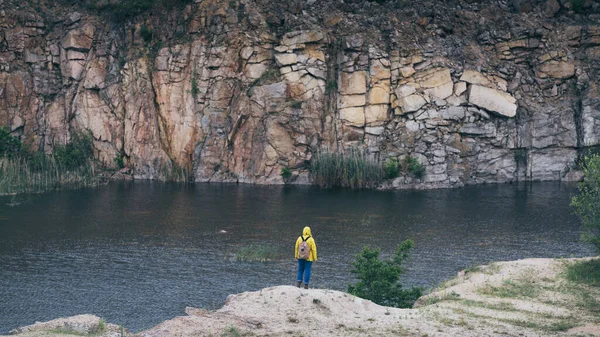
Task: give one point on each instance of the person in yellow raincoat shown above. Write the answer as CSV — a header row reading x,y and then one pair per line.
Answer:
x,y
306,253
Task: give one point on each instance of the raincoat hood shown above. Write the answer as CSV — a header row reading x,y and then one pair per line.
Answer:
x,y
306,232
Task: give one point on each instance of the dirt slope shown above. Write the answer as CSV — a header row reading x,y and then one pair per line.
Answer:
x,y
518,298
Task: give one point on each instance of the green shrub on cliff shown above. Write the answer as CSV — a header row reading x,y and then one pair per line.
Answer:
x,y
123,10
412,166
379,280
392,168
286,173
9,144
353,169
587,203
76,153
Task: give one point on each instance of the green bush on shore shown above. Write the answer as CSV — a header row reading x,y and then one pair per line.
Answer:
x,y
587,203
69,166
379,280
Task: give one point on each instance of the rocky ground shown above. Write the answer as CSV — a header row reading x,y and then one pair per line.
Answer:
x,y
519,298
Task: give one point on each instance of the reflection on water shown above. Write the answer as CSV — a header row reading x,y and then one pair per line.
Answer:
x,y
139,253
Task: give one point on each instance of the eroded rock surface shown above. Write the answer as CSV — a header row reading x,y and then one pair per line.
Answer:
x,y
237,90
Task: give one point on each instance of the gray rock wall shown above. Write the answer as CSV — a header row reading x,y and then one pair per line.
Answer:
x,y
238,90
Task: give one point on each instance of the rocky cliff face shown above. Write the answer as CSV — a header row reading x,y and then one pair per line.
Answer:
x,y
477,91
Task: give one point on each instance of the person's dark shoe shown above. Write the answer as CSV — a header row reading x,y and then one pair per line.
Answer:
x,y
298,284
305,286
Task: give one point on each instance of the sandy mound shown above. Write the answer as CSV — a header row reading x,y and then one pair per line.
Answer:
x,y
519,298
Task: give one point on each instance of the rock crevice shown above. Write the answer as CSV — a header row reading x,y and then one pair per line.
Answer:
x,y
238,90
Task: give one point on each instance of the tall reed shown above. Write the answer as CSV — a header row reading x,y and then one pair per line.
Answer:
x,y
353,169
44,173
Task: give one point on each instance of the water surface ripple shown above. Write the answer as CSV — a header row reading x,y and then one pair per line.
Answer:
x,y
139,253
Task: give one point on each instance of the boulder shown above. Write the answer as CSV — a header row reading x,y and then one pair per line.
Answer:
x,y
79,39
551,7
301,36
376,114
551,163
459,88
379,95
492,100
411,103
255,70
96,74
346,101
558,69
407,71
475,77
353,83
405,90
441,92
280,140
434,77
286,59
375,130
478,130
594,53
379,71
454,113
354,116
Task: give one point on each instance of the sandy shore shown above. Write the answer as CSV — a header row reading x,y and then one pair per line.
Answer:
x,y
528,297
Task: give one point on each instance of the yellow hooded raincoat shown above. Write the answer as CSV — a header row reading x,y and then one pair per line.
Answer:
x,y
311,244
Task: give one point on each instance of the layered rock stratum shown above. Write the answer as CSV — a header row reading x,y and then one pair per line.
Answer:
x,y
234,91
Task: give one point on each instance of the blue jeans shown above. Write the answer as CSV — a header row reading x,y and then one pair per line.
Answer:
x,y
304,268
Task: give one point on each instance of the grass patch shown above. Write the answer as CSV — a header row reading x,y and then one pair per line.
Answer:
x,y
587,302
561,325
231,332
256,253
587,272
452,296
501,306
353,169
512,289
473,269
66,331
96,331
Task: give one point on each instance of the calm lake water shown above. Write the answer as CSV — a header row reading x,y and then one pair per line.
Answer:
x,y
139,253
